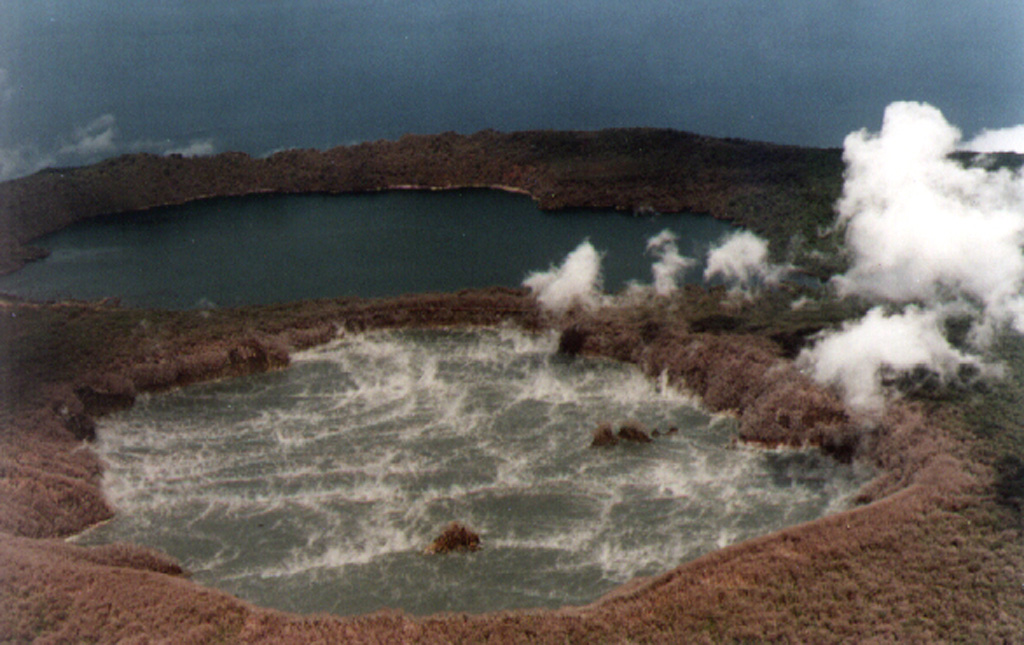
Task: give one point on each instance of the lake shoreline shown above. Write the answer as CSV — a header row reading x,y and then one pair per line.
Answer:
x,y
261,249
636,170
52,478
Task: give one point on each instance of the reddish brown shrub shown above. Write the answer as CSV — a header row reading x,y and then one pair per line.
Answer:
x,y
455,537
131,556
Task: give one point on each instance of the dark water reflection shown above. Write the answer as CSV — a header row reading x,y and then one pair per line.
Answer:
x,y
267,249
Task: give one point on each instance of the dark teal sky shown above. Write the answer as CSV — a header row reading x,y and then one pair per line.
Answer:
x,y
261,75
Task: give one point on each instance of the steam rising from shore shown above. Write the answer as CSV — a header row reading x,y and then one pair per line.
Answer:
x,y
928,238
576,282
1003,140
670,265
863,354
741,260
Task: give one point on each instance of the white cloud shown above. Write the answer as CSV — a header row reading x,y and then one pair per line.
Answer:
x,y
89,143
96,138
921,227
855,358
195,148
577,281
18,161
1002,140
741,259
670,265
928,236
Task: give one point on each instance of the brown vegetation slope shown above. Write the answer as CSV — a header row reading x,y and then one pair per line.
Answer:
x,y
779,191
925,557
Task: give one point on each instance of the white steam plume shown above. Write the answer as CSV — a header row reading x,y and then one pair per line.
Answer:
x,y
927,234
741,259
670,265
576,282
18,161
856,358
922,227
1002,140
195,148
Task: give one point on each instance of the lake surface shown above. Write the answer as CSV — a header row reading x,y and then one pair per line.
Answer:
x,y
317,488
280,248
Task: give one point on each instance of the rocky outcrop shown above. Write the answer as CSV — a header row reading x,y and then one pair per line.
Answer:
x,y
631,431
570,341
634,431
455,537
604,436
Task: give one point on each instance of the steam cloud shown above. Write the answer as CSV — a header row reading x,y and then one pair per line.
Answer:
x,y
929,238
88,143
576,282
18,161
97,138
863,354
1004,140
670,265
195,148
741,260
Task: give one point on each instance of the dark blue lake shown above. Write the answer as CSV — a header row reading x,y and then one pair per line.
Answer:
x,y
267,249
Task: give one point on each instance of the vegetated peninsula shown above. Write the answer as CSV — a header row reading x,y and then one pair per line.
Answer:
x,y
784,193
